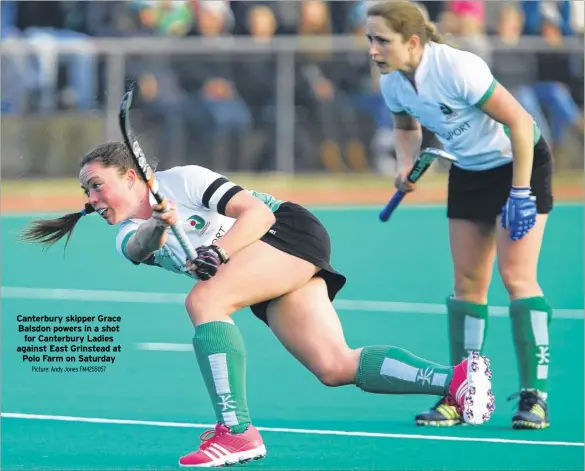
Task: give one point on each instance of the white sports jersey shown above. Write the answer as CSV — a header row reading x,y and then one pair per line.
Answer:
x,y
199,196
451,85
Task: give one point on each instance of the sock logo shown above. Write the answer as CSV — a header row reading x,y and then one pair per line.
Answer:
x,y
543,356
539,326
425,376
226,402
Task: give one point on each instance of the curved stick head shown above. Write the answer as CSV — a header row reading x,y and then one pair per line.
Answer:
x,y
432,153
126,102
131,141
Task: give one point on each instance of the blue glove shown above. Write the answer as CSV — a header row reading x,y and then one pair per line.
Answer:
x,y
519,212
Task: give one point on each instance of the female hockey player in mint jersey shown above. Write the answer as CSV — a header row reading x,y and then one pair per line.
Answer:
x,y
253,251
499,191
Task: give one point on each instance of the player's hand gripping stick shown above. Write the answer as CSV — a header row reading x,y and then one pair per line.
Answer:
x,y
421,165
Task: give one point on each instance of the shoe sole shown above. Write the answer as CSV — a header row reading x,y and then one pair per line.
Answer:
x,y
439,423
479,401
233,459
525,425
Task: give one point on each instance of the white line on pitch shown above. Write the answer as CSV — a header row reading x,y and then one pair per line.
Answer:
x,y
14,292
165,347
151,423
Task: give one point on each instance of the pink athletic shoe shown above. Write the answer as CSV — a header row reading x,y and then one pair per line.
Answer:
x,y
220,447
471,389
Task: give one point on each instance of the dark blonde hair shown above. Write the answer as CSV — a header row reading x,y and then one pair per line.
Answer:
x,y
50,231
407,19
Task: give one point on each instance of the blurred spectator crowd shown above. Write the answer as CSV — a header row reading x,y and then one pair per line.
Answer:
x,y
340,118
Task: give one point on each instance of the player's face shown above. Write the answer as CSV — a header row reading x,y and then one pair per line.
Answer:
x,y
108,191
387,48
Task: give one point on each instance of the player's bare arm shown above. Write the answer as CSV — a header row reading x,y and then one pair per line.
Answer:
x,y
253,219
150,236
504,108
408,142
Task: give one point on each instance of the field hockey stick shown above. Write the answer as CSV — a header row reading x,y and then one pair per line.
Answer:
x,y
147,172
422,164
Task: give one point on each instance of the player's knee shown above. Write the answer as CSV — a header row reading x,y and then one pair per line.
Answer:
x,y
332,376
518,282
470,287
336,370
203,305
195,305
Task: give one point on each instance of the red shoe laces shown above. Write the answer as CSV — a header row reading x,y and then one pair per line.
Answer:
x,y
208,436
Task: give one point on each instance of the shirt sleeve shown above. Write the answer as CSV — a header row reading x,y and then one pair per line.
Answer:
x,y
207,188
387,87
124,233
473,80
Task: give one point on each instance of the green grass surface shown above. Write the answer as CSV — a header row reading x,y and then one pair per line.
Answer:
x,y
269,181
165,386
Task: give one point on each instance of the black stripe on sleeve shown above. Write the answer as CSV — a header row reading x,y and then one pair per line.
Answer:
x,y
211,189
221,205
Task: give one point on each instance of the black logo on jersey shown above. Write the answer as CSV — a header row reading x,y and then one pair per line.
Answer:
x,y
446,110
219,234
458,131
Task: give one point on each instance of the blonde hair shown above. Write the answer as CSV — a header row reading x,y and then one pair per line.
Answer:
x,y
407,19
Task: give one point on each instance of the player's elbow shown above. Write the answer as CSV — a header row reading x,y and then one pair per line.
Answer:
x,y
265,216
147,239
245,206
523,119
135,252
271,218
259,216
521,124
405,122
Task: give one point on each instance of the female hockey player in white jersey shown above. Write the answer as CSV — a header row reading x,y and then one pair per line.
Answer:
x,y
499,191
253,251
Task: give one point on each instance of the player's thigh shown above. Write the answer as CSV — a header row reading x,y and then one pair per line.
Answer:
x,y
256,273
473,250
518,259
307,325
475,199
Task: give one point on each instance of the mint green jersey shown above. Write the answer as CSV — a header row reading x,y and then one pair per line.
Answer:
x,y
451,87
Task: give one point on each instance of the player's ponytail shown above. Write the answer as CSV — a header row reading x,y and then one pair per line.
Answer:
x,y
432,33
50,231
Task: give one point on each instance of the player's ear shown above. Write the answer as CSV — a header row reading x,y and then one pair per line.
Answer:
x,y
131,177
413,42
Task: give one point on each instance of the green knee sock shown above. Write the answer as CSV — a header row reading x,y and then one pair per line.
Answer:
x,y
221,355
392,370
530,319
468,323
